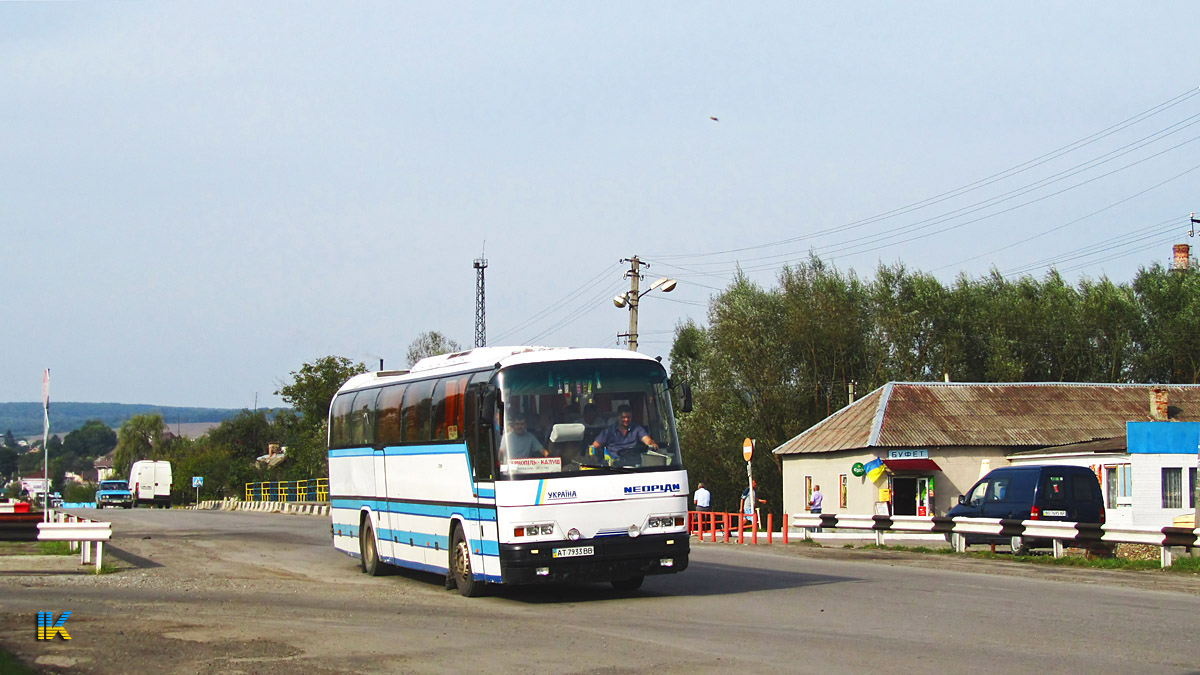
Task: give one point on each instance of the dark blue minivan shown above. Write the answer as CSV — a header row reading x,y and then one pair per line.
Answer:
x,y
1051,492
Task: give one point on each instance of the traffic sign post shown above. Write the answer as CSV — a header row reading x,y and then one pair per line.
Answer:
x,y
197,482
747,453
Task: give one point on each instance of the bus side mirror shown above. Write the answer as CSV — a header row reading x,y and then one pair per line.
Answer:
x,y
685,392
962,499
487,409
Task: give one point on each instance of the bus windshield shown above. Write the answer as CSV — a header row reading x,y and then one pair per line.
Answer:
x,y
585,417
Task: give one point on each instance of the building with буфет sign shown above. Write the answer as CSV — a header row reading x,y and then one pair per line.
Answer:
x,y
929,442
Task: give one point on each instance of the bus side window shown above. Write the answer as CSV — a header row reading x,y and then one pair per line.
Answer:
x,y
362,418
388,431
339,435
415,413
448,409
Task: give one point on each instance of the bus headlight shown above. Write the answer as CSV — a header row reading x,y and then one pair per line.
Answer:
x,y
573,534
634,530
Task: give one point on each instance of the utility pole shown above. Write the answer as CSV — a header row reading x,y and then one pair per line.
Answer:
x,y
634,276
631,297
481,264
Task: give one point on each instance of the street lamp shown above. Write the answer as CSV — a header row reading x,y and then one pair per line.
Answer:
x,y
631,297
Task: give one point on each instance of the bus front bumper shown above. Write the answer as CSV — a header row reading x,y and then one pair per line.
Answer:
x,y
613,558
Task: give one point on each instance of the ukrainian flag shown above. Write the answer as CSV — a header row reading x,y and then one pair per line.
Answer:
x,y
874,469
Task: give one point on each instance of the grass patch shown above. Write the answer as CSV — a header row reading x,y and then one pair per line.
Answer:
x,y
911,549
1185,566
35,548
55,548
11,666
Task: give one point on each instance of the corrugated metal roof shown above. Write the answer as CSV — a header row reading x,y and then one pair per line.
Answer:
x,y
918,414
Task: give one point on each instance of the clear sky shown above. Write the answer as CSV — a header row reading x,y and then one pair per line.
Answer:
x,y
196,198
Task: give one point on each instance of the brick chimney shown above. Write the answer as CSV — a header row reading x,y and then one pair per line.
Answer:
x,y
1158,404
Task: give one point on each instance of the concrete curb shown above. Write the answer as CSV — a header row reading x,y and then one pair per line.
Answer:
x,y
297,508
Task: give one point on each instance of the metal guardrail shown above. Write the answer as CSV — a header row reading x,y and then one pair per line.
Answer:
x,y
80,531
311,490
711,525
1061,533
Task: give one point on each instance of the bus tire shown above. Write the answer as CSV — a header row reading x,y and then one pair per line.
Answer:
x,y
460,567
630,584
368,552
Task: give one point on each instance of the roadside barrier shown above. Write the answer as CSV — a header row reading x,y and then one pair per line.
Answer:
x,y
308,509
311,490
80,532
708,526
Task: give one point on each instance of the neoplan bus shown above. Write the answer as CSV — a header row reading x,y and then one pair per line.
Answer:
x,y
419,477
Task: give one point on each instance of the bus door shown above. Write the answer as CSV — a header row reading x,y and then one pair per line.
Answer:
x,y
383,521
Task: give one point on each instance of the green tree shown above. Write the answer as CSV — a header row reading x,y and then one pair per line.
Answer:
x,y
93,439
1169,301
8,463
430,343
139,438
9,440
313,386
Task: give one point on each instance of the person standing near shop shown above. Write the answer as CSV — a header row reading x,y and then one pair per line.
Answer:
x,y
703,502
814,503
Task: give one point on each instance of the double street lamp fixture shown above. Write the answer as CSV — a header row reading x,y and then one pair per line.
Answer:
x,y
631,297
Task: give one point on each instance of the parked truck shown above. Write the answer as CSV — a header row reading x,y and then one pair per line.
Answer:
x,y
150,483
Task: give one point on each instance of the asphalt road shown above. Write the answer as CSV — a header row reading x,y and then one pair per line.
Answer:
x,y
231,592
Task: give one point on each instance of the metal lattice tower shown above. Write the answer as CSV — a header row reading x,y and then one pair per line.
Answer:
x,y
480,306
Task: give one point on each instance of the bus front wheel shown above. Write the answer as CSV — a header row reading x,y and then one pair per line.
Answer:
x,y
460,566
368,553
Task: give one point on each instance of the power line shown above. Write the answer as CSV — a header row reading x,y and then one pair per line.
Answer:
x,y
1019,168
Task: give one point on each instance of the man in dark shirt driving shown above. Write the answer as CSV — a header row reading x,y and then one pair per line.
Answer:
x,y
622,438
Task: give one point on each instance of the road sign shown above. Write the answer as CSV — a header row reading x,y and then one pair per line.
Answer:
x,y
197,481
748,448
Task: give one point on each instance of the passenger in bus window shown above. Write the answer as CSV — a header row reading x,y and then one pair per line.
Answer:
x,y
621,439
518,443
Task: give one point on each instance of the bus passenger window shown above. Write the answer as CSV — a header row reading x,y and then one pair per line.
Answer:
x,y
448,409
388,431
415,413
362,418
340,417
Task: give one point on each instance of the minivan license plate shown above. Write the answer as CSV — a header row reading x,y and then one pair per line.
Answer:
x,y
573,552
1051,512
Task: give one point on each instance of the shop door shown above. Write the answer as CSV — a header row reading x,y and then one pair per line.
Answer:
x,y
904,496
924,496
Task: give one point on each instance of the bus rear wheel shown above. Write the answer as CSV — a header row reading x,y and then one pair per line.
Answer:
x,y
368,553
630,584
460,567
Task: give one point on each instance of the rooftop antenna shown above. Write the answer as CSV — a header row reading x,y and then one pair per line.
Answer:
x,y
480,306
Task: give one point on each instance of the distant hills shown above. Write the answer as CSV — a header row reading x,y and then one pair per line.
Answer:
x,y
25,419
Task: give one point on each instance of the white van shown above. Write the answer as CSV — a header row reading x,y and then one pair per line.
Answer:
x,y
150,483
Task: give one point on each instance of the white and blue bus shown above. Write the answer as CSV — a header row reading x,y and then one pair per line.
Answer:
x,y
420,477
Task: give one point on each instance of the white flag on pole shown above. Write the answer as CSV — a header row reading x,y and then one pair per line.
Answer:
x,y
46,389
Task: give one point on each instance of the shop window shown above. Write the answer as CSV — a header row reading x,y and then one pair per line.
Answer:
x,y
842,481
1118,485
808,490
1172,488
1192,487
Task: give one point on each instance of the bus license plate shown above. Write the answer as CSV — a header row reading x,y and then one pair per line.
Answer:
x,y
573,552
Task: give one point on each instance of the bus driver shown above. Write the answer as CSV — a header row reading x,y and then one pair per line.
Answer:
x,y
622,437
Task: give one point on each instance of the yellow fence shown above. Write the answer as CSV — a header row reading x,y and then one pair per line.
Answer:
x,y
312,490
